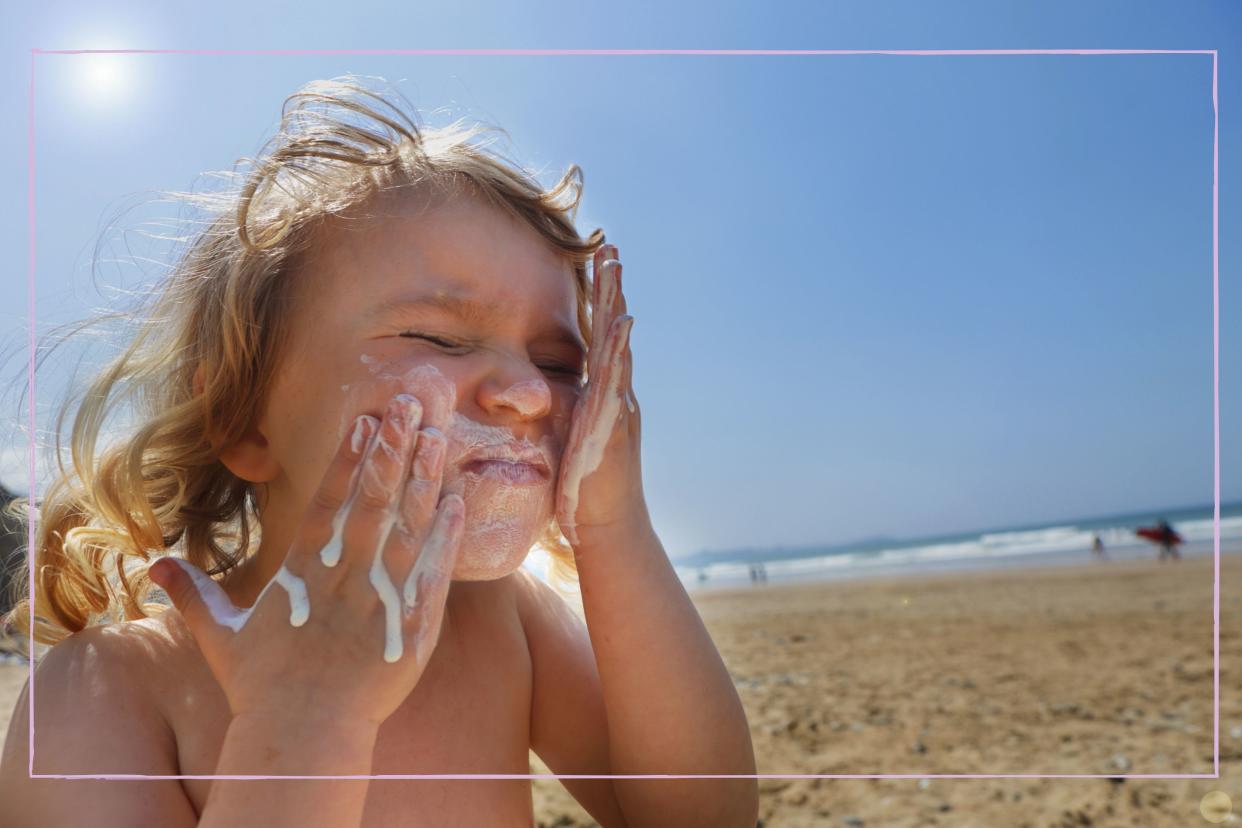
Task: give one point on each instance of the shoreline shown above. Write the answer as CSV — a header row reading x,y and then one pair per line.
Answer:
x,y
957,568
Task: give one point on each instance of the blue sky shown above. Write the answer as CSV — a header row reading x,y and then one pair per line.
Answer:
x,y
874,295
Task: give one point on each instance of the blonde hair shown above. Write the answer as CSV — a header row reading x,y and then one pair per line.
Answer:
x,y
223,306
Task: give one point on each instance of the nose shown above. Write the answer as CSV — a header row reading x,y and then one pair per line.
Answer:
x,y
523,395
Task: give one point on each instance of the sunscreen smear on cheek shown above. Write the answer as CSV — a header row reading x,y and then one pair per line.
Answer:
x,y
502,521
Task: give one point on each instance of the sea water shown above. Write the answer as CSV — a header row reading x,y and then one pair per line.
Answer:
x,y
1051,544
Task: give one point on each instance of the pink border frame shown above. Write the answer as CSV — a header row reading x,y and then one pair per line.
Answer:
x,y
1216,405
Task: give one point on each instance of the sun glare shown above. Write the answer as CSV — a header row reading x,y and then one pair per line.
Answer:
x,y
104,80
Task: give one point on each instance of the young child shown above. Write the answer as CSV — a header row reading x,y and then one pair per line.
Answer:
x,y
378,358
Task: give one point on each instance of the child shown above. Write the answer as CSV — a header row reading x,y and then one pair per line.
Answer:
x,y
374,356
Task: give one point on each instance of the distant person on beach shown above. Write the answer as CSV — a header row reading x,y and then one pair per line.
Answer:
x,y
1169,539
382,371
758,575
1097,548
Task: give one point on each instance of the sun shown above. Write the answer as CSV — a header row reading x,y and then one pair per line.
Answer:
x,y
104,80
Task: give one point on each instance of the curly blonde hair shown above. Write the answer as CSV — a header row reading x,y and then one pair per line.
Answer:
x,y
223,307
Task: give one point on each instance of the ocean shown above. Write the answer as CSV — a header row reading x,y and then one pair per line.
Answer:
x,y
1050,544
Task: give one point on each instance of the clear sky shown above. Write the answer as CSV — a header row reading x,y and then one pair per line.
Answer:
x,y
874,295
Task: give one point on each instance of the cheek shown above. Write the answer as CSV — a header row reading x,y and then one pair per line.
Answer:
x,y
297,424
431,381
564,399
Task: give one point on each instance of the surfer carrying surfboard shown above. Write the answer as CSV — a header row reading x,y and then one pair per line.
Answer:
x,y
1163,534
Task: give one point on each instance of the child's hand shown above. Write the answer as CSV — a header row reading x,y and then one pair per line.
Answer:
x,y
343,638
600,480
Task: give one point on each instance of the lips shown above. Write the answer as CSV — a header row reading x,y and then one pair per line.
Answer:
x,y
514,473
514,462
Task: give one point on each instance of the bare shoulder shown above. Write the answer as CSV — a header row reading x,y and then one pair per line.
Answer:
x,y
569,723
95,712
548,620
535,599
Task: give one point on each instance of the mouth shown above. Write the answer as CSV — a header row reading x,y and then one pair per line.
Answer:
x,y
514,472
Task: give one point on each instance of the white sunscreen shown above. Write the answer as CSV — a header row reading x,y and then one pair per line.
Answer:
x,y
227,615
384,587
589,453
331,553
501,522
507,520
387,591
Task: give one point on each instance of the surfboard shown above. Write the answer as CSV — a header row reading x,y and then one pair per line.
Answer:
x,y
1156,535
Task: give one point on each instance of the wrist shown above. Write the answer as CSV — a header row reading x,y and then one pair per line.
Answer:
x,y
287,742
623,532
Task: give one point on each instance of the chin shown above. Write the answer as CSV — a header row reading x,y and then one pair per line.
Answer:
x,y
483,561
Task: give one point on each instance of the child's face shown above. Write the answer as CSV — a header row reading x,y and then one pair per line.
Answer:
x,y
508,379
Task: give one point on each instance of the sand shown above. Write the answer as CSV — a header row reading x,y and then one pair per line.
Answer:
x,y
1099,669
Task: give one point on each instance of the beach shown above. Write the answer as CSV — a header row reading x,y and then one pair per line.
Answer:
x,y
1104,668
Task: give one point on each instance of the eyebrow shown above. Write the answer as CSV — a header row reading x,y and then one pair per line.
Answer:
x,y
466,309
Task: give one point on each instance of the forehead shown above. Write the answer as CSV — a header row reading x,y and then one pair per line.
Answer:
x,y
406,245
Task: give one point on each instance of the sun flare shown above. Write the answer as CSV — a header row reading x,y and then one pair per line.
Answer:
x,y
104,81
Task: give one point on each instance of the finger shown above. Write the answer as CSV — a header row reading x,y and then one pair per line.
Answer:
x,y
618,299
627,361
384,468
614,378
418,500
600,319
597,269
606,311
435,558
605,386
439,398
202,602
434,567
322,524
436,392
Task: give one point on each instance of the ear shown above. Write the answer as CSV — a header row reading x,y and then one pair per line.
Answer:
x,y
250,458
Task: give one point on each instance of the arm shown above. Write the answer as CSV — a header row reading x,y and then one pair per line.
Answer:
x,y
568,724
671,704
666,706
92,717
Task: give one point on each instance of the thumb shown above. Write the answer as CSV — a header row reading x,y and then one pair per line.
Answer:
x,y
200,600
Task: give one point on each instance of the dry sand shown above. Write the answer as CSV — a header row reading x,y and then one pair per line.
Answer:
x,y
1100,669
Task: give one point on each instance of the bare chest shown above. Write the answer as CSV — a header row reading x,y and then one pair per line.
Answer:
x,y
469,714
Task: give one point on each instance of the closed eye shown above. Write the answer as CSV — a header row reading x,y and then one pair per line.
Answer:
x,y
435,340
568,370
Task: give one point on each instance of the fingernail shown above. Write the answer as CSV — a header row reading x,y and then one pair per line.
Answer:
x,y
430,454
404,409
364,427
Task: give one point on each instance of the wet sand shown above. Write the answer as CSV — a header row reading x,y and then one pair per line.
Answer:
x,y
1099,669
